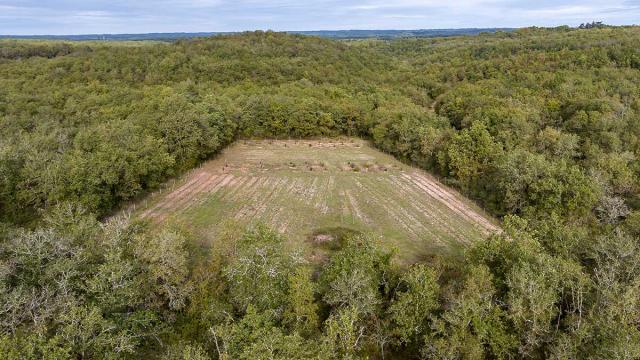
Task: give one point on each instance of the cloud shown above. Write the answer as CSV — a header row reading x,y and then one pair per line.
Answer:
x,y
125,16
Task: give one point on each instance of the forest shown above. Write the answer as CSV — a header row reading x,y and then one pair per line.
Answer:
x,y
541,126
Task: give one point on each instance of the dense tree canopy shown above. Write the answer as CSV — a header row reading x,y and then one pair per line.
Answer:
x,y
541,126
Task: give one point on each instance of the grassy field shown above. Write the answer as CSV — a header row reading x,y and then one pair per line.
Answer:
x,y
312,191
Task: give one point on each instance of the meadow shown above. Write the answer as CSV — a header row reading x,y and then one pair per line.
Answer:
x,y
315,190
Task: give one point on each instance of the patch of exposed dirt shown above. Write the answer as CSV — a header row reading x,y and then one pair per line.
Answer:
x,y
323,238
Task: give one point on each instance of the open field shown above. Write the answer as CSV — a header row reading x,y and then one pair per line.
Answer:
x,y
308,188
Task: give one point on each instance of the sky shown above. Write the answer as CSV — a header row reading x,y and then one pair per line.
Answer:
x,y
67,17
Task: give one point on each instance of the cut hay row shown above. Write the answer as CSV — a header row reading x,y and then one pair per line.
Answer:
x,y
263,201
389,204
329,188
164,204
281,218
399,215
246,197
253,183
198,191
453,224
234,185
357,212
441,222
448,199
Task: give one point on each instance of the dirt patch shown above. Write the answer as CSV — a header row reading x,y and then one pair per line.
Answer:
x,y
323,238
331,239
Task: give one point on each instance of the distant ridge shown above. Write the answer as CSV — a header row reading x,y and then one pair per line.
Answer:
x,y
391,34
333,34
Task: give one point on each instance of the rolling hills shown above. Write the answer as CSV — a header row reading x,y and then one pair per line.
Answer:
x,y
331,34
539,126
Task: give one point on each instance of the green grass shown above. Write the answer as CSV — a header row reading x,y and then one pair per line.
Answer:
x,y
309,188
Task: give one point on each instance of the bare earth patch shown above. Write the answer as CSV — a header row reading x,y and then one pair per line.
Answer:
x,y
298,186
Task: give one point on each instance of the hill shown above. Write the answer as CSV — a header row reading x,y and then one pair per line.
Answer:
x,y
540,127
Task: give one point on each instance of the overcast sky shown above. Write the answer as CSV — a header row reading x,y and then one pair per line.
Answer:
x,y
24,17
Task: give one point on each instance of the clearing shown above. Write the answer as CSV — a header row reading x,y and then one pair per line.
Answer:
x,y
310,189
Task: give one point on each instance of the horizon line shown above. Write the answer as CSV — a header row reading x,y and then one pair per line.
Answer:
x,y
283,31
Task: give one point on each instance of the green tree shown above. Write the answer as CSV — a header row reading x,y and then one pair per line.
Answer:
x,y
258,274
414,305
474,326
471,155
301,311
355,275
